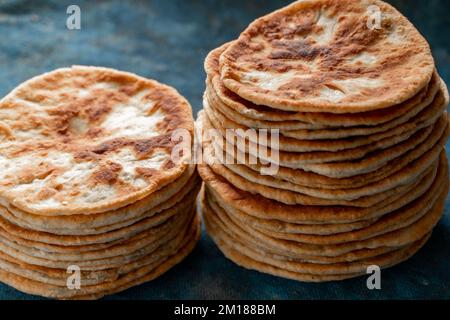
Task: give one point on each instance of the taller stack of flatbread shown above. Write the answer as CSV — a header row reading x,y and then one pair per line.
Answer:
x,y
96,190
361,175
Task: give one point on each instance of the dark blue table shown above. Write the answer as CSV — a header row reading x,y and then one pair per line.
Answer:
x,y
167,41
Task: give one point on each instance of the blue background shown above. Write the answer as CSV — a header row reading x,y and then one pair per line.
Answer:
x,y
168,40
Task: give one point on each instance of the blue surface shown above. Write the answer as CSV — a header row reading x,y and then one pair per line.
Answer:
x,y
168,41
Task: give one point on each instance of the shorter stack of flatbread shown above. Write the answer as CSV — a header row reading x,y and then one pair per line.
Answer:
x,y
362,175
92,199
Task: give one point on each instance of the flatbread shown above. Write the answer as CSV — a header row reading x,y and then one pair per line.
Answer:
x,y
89,178
138,249
359,175
107,221
307,271
420,157
85,140
246,179
303,58
100,241
59,277
140,275
287,230
291,141
294,197
342,164
258,206
398,219
297,250
295,228
404,122
363,163
263,116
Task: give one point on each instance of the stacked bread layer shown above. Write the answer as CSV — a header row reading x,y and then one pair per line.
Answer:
x,y
355,181
93,203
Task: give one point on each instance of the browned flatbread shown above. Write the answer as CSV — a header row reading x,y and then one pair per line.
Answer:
x,y
261,207
83,138
128,251
294,228
89,178
153,218
307,271
305,131
249,180
318,72
58,276
296,250
216,228
66,244
294,198
132,278
398,219
343,164
261,116
111,220
287,230
337,139
357,174
419,157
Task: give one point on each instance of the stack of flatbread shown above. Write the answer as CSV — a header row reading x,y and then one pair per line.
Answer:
x,y
96,190
352,117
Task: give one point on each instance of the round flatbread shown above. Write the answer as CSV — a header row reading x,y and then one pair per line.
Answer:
x,y
246,112
324,56
88,140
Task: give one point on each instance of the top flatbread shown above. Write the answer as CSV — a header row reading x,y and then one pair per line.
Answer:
x,y
259,116
324,56
86,140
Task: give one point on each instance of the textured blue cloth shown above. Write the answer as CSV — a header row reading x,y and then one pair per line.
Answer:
x,y
168,41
